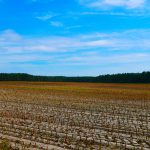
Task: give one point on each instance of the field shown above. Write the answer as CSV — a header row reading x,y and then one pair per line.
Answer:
x,y
74,116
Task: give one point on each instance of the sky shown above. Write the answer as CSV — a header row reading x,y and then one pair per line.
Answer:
x,y
74,37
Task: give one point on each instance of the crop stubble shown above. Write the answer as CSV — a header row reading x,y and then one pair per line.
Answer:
x,y
39,115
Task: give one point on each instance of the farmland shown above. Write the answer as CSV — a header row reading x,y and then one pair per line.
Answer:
x,y
77,116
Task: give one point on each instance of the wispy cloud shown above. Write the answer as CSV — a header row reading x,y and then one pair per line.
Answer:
x,y
128,48
126,40
46,16
88,49
73,27
49,17
56,23
109,4
97,59
9,36
111,13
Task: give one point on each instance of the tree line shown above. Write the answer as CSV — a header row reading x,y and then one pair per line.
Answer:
x,y
143,77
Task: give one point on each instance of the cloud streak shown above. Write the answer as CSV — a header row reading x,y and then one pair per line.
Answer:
x,y
88,49
126,40
56,24
46,16
110,4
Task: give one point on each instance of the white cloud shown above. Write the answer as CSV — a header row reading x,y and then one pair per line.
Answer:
x,y
131,39
90,49
94,49
97,59
46,16
109,4
97,12
73,27
56,23
9,35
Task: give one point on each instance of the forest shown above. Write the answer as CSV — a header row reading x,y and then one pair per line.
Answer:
x,y
143,77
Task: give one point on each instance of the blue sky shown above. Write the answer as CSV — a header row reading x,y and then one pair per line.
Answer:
x,y
74,37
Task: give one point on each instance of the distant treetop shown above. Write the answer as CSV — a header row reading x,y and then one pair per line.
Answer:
x,y
143,77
